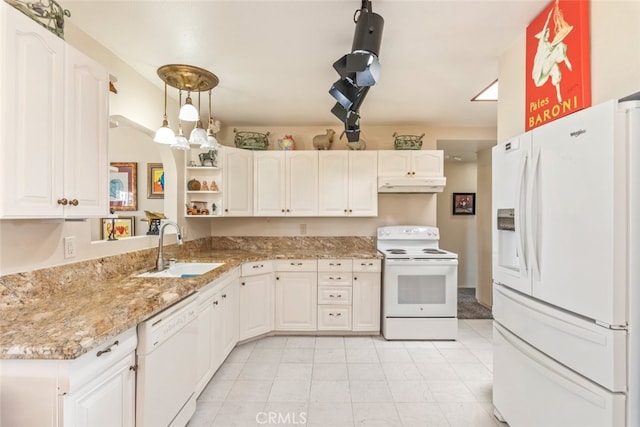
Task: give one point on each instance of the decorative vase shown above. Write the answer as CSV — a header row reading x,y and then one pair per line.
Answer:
x,y
287,143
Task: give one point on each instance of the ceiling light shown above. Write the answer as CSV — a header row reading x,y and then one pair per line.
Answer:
x,y
198,134
358,70
490,93
212,129
187,78
165,135
188,113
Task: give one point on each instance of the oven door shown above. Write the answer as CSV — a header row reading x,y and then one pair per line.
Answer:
x,y
420,288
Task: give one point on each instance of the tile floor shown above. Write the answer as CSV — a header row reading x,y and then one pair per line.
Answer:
x,y
354,381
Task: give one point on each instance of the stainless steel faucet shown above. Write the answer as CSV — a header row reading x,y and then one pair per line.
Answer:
x,y
160,262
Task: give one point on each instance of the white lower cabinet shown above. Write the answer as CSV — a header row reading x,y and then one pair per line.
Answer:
x,y
366,295
96,389
296,295
256,299
217,325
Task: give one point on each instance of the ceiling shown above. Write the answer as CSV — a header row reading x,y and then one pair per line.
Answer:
x,y
274,58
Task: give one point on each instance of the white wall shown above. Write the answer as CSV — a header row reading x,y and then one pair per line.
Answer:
x,y
615,63
458,232
483,209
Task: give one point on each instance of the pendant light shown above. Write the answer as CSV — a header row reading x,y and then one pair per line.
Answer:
x,y
188,112
181,141
187,78
198,134
212,129
165,135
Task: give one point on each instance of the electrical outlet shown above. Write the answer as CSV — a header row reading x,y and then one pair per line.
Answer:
x,y
303,229
70,247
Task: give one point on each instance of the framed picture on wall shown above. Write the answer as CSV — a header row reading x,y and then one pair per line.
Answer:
x,y
155,181
464,203
123,186
122,227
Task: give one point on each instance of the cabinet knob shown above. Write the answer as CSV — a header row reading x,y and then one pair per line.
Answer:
x,y
242,284
335,314
335,296
288,210
74,202
413,173
350,210
215,303
224,295
355,278
133,368
336,263
345,211
282,210
409,173
226,210
63,201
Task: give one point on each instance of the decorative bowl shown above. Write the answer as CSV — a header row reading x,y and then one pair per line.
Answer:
x,y
251,140
407,142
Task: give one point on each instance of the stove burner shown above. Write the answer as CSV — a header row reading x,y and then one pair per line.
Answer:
x,y
432,251
397,251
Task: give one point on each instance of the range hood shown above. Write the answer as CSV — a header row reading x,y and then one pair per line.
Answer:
x,y
401,184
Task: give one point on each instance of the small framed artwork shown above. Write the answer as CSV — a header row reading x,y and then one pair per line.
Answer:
x,y
155,181
123,186
121,227
464,203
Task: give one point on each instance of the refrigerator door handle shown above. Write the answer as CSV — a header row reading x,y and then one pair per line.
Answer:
x,y
520,217
533,204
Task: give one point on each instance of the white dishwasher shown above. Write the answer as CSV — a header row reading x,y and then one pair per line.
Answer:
x,y
166,376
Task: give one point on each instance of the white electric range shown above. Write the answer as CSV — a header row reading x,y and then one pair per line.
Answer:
x,y
419,284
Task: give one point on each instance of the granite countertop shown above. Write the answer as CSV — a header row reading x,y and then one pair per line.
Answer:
x,y
67,320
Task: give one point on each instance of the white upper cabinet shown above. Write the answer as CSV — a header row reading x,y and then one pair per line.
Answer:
x,y
237,195
408,163
85,135
348,183
53,151
286,183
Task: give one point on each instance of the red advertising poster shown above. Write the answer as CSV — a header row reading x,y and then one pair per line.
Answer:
x,y
558,62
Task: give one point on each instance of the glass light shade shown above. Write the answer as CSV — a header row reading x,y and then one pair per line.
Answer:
x,y
181,141
188,112
212,142
198,135
165,135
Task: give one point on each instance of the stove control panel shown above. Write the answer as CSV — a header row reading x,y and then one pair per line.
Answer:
x,y
408,232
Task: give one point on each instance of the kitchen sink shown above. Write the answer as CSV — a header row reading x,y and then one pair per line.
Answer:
x,y
183,270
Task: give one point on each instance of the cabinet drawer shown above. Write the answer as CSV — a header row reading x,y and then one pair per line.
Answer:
x,y
361,265
258,267
334,295
297,265
336,278
334,318
334,265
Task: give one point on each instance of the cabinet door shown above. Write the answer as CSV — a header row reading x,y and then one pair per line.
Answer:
x,y
237,197
109,400
333,192
302,183
269,186
86,119
229,298
366,301
427,163
256,305
31,90
363,183
394,163
296,301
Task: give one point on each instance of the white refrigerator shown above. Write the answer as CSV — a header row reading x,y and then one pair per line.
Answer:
x,y
566,271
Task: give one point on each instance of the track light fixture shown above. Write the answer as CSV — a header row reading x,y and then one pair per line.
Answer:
x,y
358,70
